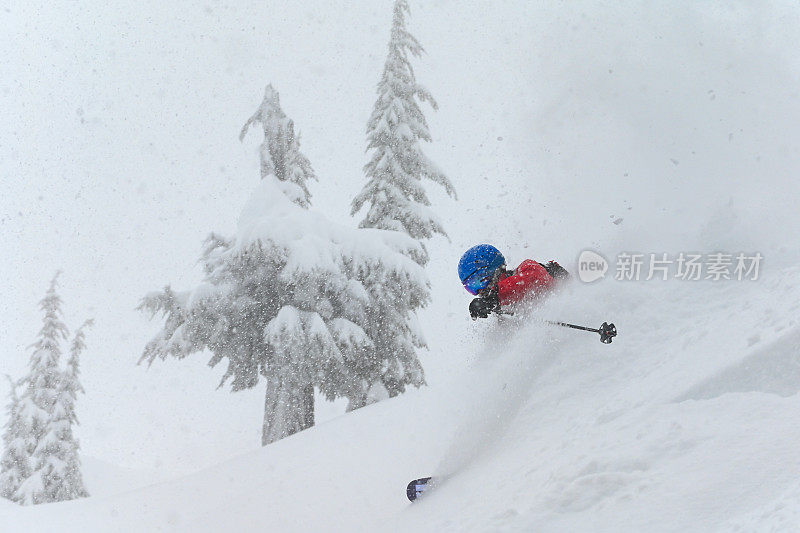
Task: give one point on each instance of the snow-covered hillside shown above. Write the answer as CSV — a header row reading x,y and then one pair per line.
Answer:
x,y
686,422
637,126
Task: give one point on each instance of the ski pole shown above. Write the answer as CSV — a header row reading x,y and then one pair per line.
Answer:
x,y
607,331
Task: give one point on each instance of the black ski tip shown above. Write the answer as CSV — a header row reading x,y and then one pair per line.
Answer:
x,y
415,488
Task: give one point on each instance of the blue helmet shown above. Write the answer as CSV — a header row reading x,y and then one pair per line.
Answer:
x,y
477,266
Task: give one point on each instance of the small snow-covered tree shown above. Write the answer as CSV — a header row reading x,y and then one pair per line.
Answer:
x,y
15,463
38,400
66,480
43,415
394,191
285,298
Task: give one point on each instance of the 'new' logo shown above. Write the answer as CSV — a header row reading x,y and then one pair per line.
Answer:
x,y
591,266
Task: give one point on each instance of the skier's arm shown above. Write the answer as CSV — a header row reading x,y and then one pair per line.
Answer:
x,y
555,270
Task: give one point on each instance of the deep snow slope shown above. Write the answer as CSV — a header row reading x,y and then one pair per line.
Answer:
x,y
687,422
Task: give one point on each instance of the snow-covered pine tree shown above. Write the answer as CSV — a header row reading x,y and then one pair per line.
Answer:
x,y
15,463
394,190
397,199
285,298
45,414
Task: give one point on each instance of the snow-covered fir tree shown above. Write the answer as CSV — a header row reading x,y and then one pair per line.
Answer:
x,y
38,400
394,191
285,298
45,467
15,463
396,197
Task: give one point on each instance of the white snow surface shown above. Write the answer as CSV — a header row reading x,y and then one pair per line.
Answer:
x,y
555,120
684,424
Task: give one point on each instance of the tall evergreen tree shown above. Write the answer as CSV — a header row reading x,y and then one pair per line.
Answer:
x,y
285,298
397,200
394,191
15,463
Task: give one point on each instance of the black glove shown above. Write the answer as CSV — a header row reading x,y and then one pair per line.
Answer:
x,y
556,270
481,306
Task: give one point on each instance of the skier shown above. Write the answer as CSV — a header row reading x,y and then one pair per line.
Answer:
x,y
482,270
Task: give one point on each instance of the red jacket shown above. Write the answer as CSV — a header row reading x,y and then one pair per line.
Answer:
x,y
530,279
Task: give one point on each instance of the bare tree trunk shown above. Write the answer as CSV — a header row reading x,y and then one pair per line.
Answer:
x,y
287,409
